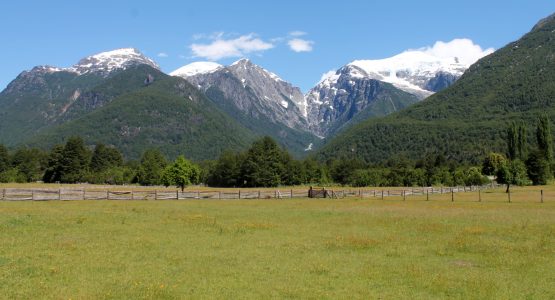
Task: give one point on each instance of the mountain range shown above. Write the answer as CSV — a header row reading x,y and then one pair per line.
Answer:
x,y
411,103
469,119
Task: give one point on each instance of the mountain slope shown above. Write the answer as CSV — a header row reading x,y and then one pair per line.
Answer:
x,y
468,119
169,114
256,98
47,96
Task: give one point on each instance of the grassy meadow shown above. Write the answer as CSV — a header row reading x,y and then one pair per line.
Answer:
x,y
295,248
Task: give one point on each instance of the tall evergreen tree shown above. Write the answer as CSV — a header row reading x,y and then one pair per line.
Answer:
x,y
105,157
512,141
543,136
151,168
75,160
53,172
522,143
263,164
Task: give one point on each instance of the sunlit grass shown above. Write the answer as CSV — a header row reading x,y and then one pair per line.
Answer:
x,y
300,248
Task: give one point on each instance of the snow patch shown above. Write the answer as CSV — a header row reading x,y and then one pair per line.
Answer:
x,y
284,103
106,62
309,147
192,69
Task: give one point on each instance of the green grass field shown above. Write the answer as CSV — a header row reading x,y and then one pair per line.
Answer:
x,y
300,248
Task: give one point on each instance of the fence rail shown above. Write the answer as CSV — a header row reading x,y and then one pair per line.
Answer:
x,y
46,194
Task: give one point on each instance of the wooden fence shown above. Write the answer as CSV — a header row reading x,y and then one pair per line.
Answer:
x,y
43,194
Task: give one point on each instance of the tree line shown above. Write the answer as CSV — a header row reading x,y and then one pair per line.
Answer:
x,y
524,162
266,164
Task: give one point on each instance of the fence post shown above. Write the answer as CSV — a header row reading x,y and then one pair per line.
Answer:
x,y
239,194
258,194
60,194
83,194
427,195
382,194
479,195
541,196
177,195
33,195
155,194
291,194
452,195
374,193
509,194
404,194
219,195
108,195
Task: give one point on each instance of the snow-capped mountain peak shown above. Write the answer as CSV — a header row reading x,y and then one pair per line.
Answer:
x,y
192,69
106,62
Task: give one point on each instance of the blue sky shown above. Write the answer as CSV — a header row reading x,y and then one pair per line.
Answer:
x,y
298,40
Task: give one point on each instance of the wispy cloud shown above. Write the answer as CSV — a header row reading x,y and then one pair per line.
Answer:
x,y
300,45
297,33
220,47
162,54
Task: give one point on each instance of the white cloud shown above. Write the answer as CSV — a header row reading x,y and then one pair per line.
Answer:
x,y
297,33
222,48
300,45
162,54
464,49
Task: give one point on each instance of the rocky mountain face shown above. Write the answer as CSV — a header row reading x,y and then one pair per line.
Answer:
x,y
377,88
257,98
361,89
255,90
339,99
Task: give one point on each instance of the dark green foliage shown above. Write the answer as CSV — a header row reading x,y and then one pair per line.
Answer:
x,y
263,164
512,140
226,171
113,175
466,121
342,170
4,159
369,177
105,157
544,138
538,168
522,144
75,161
150,170
54,165
29,163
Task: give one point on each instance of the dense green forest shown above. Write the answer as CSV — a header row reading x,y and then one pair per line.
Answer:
x,y
264,164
